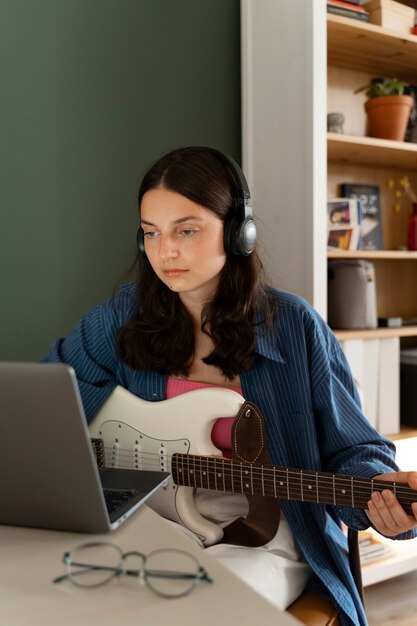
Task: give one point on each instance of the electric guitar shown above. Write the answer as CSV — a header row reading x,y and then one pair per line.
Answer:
x,y
175,436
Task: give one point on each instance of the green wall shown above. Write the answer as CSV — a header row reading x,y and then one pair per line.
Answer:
x,y
93,91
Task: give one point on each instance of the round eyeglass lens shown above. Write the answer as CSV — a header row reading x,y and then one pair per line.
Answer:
x,y
94,564
171,573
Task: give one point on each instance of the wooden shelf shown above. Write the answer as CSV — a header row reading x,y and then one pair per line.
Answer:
x,y
376,333
375,255
355,150
368,48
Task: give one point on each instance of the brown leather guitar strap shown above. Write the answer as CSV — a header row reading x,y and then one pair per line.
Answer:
x,y
249,446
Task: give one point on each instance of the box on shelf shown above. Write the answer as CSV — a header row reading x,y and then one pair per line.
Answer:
x,y
351,294
408,386
391,15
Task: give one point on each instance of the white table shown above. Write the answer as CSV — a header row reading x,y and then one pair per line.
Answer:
x,y
31,558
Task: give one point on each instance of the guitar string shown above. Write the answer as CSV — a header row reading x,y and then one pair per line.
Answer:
x,y
326,495
231,464
232,467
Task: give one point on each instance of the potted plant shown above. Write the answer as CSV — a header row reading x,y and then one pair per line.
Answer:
x,y
388,108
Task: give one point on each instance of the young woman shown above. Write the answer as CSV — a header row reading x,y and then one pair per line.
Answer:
x,y
200,314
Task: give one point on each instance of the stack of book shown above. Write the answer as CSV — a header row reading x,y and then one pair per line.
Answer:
x,y
344,217
348,9
371,549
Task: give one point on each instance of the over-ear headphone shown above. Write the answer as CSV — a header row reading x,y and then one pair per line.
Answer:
x,y
239,231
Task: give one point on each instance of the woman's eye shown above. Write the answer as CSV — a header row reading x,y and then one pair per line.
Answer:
x,y
187,232
150,234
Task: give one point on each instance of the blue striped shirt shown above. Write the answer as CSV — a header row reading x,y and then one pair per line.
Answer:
x,y
301,382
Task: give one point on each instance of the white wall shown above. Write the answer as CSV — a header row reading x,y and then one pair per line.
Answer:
x,y
284,139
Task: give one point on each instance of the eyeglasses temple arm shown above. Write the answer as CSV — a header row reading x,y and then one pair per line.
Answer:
x,y
201,574
59,579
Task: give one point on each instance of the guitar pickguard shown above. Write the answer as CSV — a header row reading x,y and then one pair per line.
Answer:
x,y
129,448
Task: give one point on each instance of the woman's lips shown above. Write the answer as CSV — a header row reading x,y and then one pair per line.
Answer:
x,y
174,272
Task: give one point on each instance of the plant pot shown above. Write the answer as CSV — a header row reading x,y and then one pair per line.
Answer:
x,y
388,116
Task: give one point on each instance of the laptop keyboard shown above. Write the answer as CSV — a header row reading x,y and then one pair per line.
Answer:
x,y
116,498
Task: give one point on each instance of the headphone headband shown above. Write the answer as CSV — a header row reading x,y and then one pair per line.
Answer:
x,y
243,183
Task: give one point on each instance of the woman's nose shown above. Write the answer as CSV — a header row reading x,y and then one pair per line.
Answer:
x,y
167,248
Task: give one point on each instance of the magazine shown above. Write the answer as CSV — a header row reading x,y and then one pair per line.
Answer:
x,y
371,222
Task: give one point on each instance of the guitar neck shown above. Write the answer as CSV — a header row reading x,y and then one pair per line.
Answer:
x,y
285,483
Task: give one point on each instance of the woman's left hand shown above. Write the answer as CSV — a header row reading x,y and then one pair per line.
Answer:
x,y
386,513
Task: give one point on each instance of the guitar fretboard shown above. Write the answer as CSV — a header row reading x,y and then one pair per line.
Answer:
x,y
219,474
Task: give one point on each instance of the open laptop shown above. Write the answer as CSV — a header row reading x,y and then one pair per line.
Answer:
x,y
48,473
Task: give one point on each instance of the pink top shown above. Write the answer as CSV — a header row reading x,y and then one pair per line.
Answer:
x,y
221,434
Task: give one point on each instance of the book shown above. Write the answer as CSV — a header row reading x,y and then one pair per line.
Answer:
x,y
343,223
371,222
343,12
346,5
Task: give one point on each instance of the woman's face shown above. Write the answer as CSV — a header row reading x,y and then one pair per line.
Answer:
x,y
183,243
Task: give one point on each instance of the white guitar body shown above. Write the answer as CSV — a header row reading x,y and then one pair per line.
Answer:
x,y
144,435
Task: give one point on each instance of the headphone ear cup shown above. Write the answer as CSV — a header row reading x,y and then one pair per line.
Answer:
x,y
140,239
240,236
247,236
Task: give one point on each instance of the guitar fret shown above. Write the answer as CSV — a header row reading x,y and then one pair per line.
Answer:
x,y
262,478
215,474
208,474
334,490
301,483
275,483
288,485
317,488
224,484
232,475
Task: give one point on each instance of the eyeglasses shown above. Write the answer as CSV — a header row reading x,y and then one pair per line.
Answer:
x,y
168,573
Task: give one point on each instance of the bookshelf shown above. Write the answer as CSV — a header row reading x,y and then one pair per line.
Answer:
x,y
356,53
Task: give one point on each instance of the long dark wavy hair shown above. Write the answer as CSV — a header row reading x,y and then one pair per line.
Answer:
x,y
159,336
